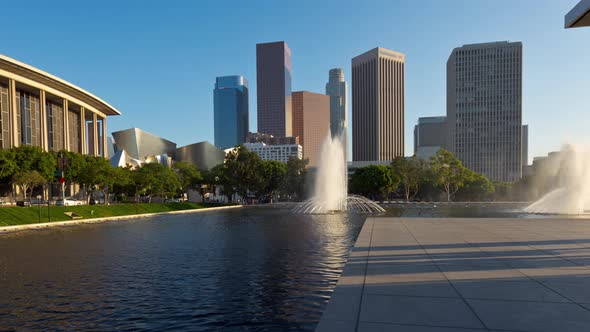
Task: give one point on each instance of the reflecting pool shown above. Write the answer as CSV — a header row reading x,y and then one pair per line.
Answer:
x,y
246,270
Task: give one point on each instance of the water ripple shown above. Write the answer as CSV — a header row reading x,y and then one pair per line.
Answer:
x,y
247,270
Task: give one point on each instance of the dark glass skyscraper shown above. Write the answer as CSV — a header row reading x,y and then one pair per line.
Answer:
x,y
273,82
230,111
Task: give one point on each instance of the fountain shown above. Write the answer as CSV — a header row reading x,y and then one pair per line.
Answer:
x,y
572,195
331,189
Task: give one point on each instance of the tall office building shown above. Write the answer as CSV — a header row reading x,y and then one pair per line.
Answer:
x,y
484,108
230,99
525,145
273,82
430,135
311,123
336,88
378,105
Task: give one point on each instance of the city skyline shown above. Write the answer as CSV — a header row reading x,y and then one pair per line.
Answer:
x,y
121,77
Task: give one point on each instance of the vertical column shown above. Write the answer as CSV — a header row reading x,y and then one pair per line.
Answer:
x,y
95,133
104,138
83,147
66,116
13,112
43,121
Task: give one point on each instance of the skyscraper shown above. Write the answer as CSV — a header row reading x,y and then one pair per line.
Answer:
x,y
273,82
311,123
525,145
430,135
378,105
484,108
336,88
230,99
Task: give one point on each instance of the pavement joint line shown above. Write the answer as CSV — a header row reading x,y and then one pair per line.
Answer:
x,y
533,279
469,298
358,315
442,326
449,281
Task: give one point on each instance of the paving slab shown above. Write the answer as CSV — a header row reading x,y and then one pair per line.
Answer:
x,y
462,274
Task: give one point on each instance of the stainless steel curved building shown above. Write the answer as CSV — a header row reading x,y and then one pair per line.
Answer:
x,y
39,109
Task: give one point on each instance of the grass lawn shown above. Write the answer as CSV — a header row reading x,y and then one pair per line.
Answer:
x,y
16,215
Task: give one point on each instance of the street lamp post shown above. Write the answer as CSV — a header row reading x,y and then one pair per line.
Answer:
x,y
39,206
49,202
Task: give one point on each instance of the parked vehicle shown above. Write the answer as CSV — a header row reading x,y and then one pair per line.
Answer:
x,y
172,200
68,202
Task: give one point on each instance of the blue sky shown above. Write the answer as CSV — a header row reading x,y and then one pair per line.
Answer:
x,y
157,61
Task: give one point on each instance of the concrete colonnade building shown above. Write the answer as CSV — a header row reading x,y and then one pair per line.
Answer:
x,y
378,105
273,82
484,108
39,109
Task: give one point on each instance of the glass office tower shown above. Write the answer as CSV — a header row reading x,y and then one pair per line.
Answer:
x,y
230,111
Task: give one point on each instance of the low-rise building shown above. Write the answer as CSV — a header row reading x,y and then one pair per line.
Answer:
x,y
280,153
430,135
203,155
271,140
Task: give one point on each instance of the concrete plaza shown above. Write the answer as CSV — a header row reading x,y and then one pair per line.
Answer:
x,y
465,275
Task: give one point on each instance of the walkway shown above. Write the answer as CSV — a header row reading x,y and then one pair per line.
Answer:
x,y
465,275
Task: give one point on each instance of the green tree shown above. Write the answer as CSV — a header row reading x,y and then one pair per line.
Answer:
x,y
219,178
30,158
295,176
123,185
76,167
449,174
476,187
27,180
273,175
155,178
410,173
98,174
243,170
188,175
8,164
374,181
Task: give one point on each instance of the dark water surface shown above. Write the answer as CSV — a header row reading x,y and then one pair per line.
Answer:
x,y
242,270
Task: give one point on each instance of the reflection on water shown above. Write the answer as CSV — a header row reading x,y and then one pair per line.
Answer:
x,y
248,269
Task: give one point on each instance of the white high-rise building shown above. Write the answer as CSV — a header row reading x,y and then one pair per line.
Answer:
x,y
484,108
336,88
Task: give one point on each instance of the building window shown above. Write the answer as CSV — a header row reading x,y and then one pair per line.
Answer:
x,y
28,116
4,118
55,124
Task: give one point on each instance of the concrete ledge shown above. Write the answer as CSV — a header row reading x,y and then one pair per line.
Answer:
x,y
18,228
